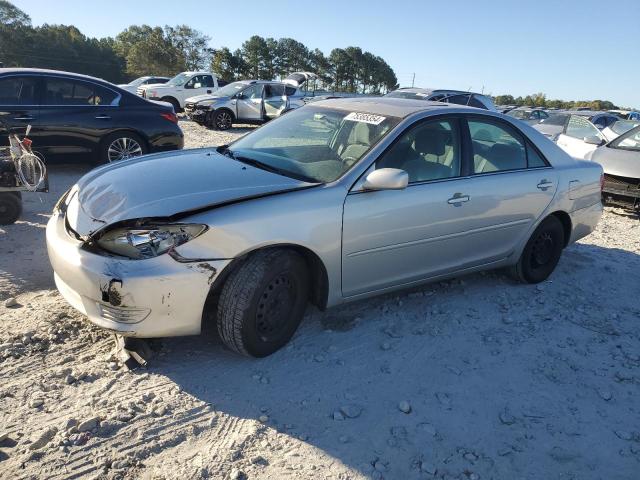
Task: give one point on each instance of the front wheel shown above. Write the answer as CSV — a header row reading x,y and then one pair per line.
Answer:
x,y
263,302
222,120
10,207
542,252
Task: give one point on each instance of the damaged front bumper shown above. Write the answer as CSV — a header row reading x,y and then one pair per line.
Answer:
x,y
156,297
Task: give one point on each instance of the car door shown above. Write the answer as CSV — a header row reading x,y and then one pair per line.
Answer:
x,y
249,103
396,237
572,140
19,99
275,101
74,116
199,85
509,188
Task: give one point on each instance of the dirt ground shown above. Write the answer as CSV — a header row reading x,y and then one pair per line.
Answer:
x,y
474,378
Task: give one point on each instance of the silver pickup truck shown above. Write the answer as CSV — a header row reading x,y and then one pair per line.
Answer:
x,y
250,101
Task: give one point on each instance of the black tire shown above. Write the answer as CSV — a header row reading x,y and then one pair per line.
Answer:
x,y
542,252
176,105
263,302
115,138
221,120
10,207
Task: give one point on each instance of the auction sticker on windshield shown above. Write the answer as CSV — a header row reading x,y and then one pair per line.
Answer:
x,y
365,118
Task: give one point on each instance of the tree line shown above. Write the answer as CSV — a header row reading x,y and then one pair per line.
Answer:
x,y
540,100
146,50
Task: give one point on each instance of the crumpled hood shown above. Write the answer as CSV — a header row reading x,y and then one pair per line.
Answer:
x,y
615,161
207,96
164,185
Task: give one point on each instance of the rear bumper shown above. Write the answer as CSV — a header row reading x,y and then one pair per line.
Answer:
x,y
158,297
167,141
584,221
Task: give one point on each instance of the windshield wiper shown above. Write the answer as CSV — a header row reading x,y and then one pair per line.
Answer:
x,y
225,150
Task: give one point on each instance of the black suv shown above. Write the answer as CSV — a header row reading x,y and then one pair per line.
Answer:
x,y
75,117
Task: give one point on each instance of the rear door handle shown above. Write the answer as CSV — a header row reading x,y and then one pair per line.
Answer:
x,y
544,185
458,199
103,117
25,118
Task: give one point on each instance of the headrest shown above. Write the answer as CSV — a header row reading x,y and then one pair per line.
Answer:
x,y
360,134
432,140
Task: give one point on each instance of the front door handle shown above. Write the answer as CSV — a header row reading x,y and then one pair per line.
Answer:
x,y
544,185
26,118
103,117
458,199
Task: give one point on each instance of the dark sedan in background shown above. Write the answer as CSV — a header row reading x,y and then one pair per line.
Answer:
x,y
78,118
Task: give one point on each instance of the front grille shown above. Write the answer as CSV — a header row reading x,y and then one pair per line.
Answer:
x,y
622,185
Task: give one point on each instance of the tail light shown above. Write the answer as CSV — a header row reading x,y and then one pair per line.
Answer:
x,y
172,117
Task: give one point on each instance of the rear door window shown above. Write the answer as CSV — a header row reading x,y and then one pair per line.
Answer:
x,y
62,91
18,91
496,148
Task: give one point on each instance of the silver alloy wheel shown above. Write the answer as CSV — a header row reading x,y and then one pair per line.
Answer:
x,y
223,120
123,148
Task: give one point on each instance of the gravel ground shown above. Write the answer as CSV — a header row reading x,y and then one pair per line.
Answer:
x,y
474,378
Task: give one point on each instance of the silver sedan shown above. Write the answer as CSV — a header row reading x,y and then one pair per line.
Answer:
x,y
620,160
337,201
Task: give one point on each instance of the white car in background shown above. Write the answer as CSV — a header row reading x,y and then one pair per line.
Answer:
x,y
528,115
616,129
181,87
574,133
133,85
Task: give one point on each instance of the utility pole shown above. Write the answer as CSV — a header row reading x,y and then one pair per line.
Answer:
x,y
413,79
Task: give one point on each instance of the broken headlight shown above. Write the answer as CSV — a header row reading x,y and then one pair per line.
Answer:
x,y
141,243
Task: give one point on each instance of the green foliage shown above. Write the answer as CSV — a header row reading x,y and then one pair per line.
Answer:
x,y
540,100
146,50
12,16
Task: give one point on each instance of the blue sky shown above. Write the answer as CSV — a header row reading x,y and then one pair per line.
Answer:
x,y
572,49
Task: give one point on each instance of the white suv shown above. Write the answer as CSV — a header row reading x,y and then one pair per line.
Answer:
x,y
180,87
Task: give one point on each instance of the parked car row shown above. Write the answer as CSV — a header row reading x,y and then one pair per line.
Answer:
x,y
249,101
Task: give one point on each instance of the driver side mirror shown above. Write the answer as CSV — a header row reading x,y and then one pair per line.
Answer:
x,y
386,179
594,140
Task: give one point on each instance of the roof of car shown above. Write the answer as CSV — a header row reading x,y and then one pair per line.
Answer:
x,y
47,71
393,107
589,113
433,90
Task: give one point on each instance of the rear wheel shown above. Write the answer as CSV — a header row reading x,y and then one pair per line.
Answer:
x,y
10,207
122,146
542,252
176,105
222,120
263,302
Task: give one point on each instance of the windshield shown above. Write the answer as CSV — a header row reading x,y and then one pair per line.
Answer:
x,y
556,119
410,95
314,144
622,126
179,79
230,89
628,141
138,81
521,114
